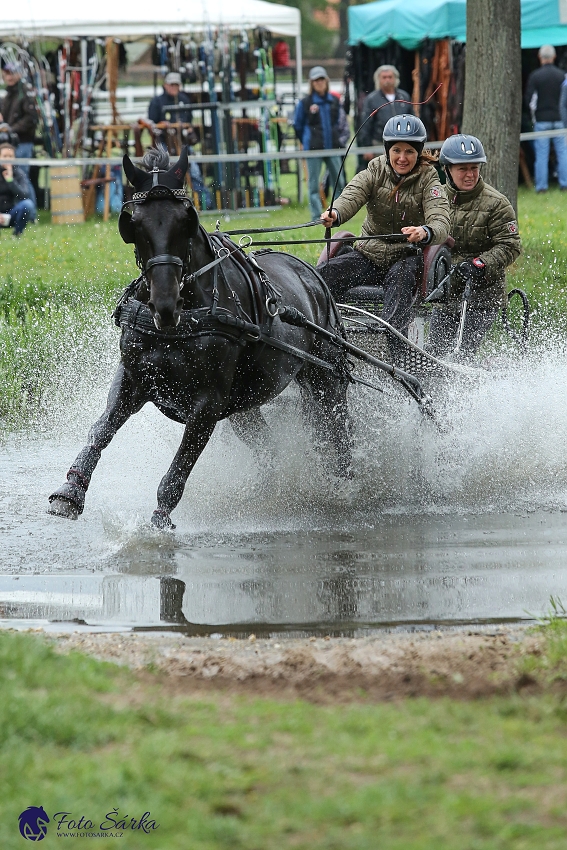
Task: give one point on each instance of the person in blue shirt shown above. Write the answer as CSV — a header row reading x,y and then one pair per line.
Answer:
x,y
320,124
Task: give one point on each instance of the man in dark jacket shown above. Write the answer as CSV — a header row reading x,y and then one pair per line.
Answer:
x,y
542,96
16,206
167,108
386,81
17,109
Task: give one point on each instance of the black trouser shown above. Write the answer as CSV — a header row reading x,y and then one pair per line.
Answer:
x,y
355,269
444,327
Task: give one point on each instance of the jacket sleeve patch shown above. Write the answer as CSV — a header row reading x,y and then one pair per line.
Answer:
x,y
512,227
436,192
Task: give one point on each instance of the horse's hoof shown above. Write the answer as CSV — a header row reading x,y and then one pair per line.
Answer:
x,y
63,508
162,521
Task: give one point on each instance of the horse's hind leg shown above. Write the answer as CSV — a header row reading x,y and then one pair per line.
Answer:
x,y
251,427
123,401
324,400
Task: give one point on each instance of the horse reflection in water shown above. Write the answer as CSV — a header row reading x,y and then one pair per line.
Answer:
x,y
202,338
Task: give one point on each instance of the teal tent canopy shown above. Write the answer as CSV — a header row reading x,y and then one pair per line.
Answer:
x,y
410,23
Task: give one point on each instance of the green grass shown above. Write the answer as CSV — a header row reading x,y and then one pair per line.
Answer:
x,y
550,665
542,268
60,279
84,737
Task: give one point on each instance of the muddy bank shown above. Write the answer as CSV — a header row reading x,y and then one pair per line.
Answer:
x,y
463,664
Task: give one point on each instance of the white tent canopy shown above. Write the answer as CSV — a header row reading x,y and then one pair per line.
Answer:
x,y
131,19
136,18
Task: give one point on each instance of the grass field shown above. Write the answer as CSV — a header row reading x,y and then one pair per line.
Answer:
x,y
56,280
218,771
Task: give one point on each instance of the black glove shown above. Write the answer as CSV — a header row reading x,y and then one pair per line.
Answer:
x,y
471,270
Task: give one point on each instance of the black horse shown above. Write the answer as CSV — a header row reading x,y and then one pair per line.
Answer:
x,y
202,338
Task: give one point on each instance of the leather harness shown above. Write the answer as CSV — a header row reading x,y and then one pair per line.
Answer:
x,y
216,321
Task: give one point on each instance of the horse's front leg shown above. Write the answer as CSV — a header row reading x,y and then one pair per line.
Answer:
x,y
123,401
197,434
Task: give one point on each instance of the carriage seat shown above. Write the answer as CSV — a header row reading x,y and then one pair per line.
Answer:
x,y
436,264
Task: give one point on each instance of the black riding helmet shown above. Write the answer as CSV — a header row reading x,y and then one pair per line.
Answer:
x,y
404,128
461,148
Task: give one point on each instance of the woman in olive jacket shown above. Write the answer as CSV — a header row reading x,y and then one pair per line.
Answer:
x,y
487,240
402,194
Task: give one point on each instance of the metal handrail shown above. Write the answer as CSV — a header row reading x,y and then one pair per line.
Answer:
x,y
258,156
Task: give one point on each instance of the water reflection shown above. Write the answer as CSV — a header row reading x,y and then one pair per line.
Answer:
x,y
409,570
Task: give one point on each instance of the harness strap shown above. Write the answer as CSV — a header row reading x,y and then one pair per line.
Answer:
x,y
221,256
164,260
297,352
201,322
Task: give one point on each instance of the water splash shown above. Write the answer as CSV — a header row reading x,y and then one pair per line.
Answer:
x,y
501,450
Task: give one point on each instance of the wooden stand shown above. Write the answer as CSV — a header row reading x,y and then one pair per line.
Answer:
x,y
109,139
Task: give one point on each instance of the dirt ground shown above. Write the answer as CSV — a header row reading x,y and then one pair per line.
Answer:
x,y
461,663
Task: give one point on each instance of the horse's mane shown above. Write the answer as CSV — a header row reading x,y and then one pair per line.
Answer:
x,y
155,158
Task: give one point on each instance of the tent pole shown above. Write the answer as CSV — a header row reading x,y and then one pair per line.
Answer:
x,y
298,64
84,123
298,81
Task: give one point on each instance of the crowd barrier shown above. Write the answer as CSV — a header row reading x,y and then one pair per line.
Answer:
x,y
270,156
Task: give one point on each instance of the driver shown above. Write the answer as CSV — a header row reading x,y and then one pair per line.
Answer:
x,y
485,230
402,193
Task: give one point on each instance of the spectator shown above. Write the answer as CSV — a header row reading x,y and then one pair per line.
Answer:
x,y
320,124
542,96
160,111
386,81
17,109
15,193
563,103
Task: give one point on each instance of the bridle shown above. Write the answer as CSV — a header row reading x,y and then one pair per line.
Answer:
x,y
158,192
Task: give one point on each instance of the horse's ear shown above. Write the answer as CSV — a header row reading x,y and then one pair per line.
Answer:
x,y
192,219
179,169
126,227
134,174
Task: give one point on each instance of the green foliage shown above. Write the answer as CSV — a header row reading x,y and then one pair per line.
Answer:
x,y
257,774
316,40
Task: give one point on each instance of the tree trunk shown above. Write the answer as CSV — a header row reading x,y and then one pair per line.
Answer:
x,y
492,108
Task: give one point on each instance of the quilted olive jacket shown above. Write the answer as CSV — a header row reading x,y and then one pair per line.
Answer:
x,y
393,203
483,224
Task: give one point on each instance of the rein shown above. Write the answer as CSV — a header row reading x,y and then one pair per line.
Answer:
x,y
271,229
386,237
222,254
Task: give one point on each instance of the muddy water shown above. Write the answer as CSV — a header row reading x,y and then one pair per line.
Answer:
x,y
465,524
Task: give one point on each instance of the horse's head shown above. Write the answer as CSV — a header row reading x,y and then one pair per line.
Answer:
x,y
161,227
